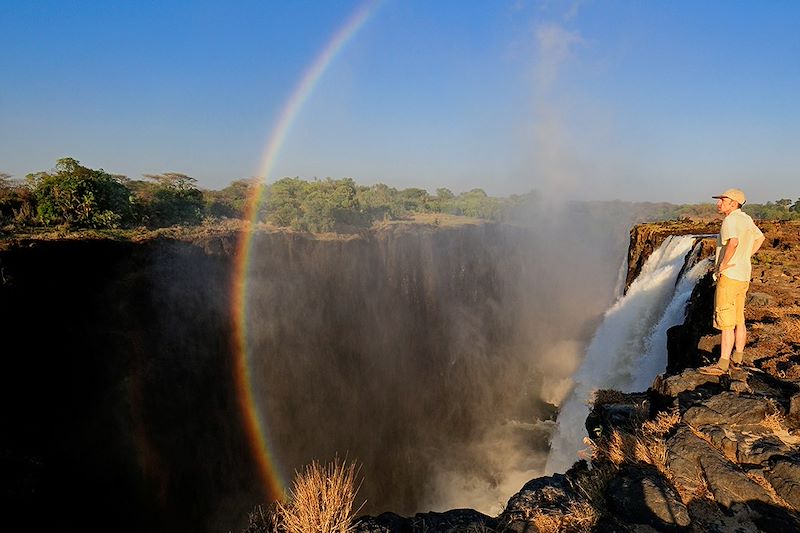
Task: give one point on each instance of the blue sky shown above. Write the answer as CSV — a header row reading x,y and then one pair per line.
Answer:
x,y
660,101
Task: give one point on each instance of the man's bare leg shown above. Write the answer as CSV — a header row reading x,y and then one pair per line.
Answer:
x,y
740,336
726,347
740,339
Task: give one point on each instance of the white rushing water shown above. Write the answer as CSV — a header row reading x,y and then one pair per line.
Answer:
x,y
629,349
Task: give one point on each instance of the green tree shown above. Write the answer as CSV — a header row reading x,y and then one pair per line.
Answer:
x,y
284,199
476,203
78,196
175,200
445,194
378,201
318,206
231,201
414,200
330,205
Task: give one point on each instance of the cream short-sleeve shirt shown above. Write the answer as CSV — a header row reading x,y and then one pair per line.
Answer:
x,y
738,224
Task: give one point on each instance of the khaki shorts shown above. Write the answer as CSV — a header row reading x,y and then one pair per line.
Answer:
x,y
729,302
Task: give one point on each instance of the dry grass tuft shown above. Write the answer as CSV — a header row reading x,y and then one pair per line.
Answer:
x,y
580,516
775,420
619,448
791,329
780,311
606,396
321,499
545,522
645,445
663,423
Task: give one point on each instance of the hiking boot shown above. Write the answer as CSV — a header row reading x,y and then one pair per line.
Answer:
x,y
716,370
712,370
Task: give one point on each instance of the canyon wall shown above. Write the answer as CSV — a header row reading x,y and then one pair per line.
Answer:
x,y
693,452
425,353
434,356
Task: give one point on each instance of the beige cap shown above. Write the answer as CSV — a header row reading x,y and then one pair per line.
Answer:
x,y
734,194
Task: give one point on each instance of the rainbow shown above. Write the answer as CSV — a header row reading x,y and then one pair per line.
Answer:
x,y
255,425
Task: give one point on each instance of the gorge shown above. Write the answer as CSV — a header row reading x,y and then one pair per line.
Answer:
x,y
433,355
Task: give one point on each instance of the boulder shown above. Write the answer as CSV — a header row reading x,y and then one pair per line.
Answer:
x,y
784,476
691,459
728,408
688,380
550,495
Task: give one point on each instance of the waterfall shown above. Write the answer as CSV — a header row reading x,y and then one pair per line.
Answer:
x,y
628,350
619,287
654,360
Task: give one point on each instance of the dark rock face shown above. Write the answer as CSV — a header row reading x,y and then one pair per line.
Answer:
x,y
645,238
109,424
123,353
662,509
408,344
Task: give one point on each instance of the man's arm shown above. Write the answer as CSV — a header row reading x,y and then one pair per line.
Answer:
x,y
757,244
730,249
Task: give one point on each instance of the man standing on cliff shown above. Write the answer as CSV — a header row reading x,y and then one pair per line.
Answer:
x,y
738,239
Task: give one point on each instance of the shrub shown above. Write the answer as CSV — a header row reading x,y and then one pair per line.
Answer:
x,y
74,195
320,501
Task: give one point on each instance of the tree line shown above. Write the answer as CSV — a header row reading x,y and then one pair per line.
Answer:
x,y
74,196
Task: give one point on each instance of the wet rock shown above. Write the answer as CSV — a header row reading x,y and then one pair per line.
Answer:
x,y
551,495
683,349
453,521
383,523
643,496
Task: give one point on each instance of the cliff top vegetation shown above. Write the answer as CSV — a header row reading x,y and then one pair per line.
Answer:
x,y
71,198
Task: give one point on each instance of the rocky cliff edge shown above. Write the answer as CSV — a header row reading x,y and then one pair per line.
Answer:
x,y
693,452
